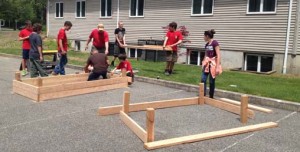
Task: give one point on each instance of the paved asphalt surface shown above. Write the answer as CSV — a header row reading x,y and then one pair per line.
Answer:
x,y
72,123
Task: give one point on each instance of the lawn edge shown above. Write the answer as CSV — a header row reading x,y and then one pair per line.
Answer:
x,y
264,101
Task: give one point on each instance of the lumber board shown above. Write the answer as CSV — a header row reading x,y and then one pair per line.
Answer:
x,y
126,101
67,93
209,135
51,80
149,47
26,90
81,85
144,105
244,108
150,116
227,106
134,127
201,94
252,107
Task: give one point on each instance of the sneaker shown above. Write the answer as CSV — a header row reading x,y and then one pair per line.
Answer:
x,y
54,74
167,73
24,73
170,72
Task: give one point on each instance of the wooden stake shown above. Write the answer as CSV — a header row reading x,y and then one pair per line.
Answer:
x,y
244,109
124,73
126,98
39,82
18,76
150,124
201,94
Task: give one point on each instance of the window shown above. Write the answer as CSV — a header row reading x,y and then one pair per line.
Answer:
x,y
202,7
137,8
261,6
258,63
195,57
105,8
80,8
59,10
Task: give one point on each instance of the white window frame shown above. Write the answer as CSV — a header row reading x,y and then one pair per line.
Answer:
x,y
105,9
202,9
258,61
80,9
59,15
261,8
137,9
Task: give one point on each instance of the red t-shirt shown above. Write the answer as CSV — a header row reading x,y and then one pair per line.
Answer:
x,y
125,65
24,33
173,37
99,38
62,36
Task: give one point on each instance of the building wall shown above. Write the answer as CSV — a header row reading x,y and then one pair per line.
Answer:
x,y
236,30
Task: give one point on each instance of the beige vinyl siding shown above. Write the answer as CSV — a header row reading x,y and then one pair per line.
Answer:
x,y
82,26
236,31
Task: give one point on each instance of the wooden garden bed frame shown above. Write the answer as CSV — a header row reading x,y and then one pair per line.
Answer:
x,y
45,88
147,136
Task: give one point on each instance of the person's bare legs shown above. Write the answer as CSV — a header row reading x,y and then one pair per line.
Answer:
x,y
171,67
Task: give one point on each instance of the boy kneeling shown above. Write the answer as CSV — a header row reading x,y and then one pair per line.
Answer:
x,y
124,65
98,64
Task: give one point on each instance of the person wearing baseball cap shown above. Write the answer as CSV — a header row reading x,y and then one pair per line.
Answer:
x,y
100,39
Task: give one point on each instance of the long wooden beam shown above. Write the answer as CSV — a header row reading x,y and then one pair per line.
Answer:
x,y
253,107
207,136
227,106
144,105
138,130
149,47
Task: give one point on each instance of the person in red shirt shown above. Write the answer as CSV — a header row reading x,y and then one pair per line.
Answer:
x,y
100,40
173,38
124,65
62,44
24,36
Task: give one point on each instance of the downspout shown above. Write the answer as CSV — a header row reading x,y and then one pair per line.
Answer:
x,y
48,18
295,40
118,13
287,37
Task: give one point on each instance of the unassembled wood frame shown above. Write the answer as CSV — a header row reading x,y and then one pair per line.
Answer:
x,y
45,88
147,136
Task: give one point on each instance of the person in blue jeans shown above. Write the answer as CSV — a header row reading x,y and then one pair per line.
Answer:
x,y
211,66
62,45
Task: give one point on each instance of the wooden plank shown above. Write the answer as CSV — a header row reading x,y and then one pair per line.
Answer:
x,y
244,108
149,47
67,93
227,106
81,85
144,105
150,124
130,123
52,80
26,90
126,100
253,107
201,94
209,135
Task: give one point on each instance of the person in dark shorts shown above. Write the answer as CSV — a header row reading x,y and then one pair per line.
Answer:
x,y
97,63
35,53
100,40
120,42
173,38
24,36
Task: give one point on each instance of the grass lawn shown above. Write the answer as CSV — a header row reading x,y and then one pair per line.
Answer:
x,y
285,87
